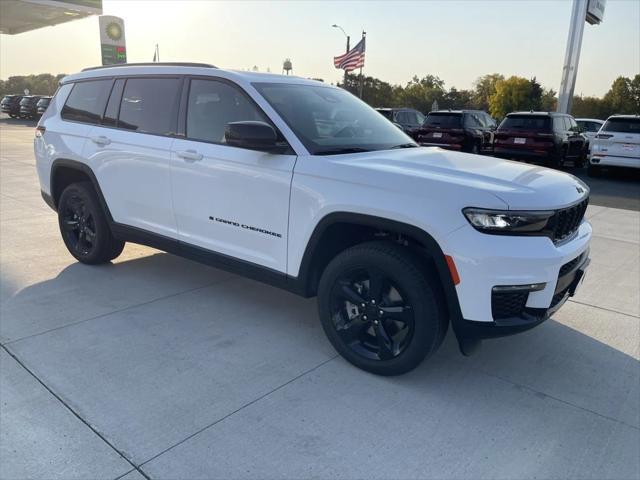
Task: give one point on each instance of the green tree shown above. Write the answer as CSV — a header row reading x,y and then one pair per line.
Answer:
x,y
620,97
511,95
484,88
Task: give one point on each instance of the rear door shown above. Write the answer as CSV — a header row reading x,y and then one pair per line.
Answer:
x,y
229,200
130,150
620,136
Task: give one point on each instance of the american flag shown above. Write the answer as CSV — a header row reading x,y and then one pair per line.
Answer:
x,y
351,60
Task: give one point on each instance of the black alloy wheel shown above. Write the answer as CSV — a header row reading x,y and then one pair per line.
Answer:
x,y
84,227
78,225
371,315
381,308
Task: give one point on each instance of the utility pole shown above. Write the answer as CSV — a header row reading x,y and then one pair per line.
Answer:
x,y
347,51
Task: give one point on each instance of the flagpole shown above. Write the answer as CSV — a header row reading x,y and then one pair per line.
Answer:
x,y
364,34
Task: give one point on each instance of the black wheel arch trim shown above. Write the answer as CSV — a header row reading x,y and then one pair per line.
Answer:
x,y
81,167
431,248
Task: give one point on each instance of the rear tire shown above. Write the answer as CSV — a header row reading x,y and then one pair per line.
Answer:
x,y
380,311
84,227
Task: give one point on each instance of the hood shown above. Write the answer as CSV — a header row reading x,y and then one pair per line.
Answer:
x,y
519,185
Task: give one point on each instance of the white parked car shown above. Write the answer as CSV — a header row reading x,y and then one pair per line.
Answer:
x,y
589,126
617,144
301,185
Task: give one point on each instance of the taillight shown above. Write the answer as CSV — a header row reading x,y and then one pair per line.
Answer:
x,y
40,131
604,136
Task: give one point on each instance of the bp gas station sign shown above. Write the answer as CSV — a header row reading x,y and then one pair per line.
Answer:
x,y
112,40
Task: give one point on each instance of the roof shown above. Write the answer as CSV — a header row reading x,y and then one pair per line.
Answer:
x,y
549,114
623,116
589,120
456,111
184,68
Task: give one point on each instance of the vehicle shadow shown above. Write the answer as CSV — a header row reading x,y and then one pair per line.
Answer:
x,y
553,359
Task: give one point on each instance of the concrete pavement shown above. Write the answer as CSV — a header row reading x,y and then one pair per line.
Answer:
x,y
159,367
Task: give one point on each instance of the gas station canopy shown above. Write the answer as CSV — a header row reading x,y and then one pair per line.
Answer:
x,y
17,16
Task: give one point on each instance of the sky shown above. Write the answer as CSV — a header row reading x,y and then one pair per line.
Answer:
x,y
457,40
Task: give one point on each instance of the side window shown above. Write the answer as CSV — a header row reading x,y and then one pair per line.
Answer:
x,y
402,118
86,101
558,124
567,124
489,121
471,120
573,126
150,105
212,104
421,118
111,113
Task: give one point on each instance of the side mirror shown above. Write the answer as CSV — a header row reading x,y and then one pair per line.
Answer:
x,y
251,135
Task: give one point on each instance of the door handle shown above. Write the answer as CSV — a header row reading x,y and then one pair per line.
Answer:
x,y
101,140
189,155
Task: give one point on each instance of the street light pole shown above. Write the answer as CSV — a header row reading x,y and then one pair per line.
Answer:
x,y
347,51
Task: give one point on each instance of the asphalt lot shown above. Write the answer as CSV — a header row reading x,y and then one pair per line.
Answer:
x,y
158,367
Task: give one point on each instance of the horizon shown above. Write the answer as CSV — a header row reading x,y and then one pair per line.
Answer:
x,y
468,39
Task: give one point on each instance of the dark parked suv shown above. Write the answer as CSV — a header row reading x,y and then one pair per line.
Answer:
x,y
28,106
42,105
462,130
11,105
546,137
407,118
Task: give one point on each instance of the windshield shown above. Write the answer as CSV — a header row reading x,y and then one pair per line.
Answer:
x,y
622,125
444,120
330,120
27,100
43,102
526,122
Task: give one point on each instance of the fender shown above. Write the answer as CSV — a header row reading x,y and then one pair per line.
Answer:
x,y
81,167
430,246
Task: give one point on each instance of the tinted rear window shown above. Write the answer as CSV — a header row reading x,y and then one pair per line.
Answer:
x,y
44,102
86,101
526,122
444,120
622,125
385,113
150,105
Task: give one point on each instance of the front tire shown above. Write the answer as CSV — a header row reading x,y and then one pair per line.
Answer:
x,y
83,225
380,311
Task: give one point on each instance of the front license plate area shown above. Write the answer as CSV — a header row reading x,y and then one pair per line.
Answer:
x,y
437,135
520,141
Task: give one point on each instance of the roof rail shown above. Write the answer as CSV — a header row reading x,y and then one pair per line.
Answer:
x,y
152,64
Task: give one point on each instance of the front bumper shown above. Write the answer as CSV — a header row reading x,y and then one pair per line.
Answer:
x,y
485,261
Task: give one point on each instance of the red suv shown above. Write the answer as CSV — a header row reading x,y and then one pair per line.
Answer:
x,y
546,137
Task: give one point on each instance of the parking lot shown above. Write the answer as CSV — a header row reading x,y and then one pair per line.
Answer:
x,y
158,367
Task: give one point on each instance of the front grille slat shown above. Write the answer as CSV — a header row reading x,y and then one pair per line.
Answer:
x,y
567,220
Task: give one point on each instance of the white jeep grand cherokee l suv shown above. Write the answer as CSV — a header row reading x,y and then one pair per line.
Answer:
x,y
617,144
301,185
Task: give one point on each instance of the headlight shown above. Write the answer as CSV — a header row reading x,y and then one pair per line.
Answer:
x,y
508,222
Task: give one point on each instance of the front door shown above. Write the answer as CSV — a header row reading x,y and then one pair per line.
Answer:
x,y
229,200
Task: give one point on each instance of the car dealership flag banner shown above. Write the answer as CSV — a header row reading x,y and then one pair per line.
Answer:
x,y
353,59
112,41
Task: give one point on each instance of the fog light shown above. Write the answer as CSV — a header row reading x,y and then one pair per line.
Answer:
x,y
529,287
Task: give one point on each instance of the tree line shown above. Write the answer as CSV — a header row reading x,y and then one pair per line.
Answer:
x,y
493,93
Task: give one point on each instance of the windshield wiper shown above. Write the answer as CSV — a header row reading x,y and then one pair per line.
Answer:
x,y
338,151
405,145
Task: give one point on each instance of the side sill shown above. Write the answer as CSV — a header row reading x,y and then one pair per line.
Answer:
x,y
208,257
